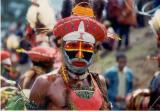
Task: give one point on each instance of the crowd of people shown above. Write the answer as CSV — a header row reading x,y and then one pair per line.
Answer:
x,y
45,66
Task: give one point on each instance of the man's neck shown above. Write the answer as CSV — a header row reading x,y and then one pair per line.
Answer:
x,y
77,76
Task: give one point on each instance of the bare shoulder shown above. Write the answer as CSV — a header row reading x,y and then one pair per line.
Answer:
x,y
102,79
40,88
29,74
103,83
46,79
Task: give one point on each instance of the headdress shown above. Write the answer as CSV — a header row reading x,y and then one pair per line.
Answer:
x,y
40,54
41,16
155,22
82,16
5,57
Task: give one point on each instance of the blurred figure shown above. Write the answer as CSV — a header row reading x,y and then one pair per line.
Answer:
x,y
140,18
146,99
98,7
41,20
108,44
155,92
154,103
126,19
120,82
42,59
138,99
155,25
6,66
121,15
19,31
66,8
24,62
113,11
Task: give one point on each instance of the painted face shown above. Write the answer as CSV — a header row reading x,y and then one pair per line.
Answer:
x,y
78,55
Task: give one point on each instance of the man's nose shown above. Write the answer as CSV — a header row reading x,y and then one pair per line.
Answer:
x,y
79,54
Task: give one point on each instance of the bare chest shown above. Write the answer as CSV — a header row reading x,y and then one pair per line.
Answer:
x,y
57,95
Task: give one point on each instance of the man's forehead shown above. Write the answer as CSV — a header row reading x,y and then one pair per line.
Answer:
x,y
76,36
77,41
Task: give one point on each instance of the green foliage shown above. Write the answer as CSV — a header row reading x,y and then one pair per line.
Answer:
x,y
15,103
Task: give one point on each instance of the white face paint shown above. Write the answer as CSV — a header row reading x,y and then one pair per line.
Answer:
x,y
79,35
6,61
74,69
70,58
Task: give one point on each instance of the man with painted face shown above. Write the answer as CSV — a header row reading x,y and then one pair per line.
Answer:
x,y
73,86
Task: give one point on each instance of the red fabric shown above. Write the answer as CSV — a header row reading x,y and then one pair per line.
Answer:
x,y
93,103
30,35
4,55
158,58
70,24
43,54
127,16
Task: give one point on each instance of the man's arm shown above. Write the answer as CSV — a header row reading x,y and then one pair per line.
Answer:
x,y
25,79
38,93
106,104
109,75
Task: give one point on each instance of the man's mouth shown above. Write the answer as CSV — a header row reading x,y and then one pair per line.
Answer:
x,y
79,63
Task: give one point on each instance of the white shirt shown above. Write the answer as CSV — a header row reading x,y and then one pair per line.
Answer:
x,y
122,84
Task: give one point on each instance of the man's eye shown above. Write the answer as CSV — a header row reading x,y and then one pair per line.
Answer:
x,y
71,45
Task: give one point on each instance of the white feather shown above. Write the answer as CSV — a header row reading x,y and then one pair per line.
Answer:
x,y
31,15
155,21
46,14
12,41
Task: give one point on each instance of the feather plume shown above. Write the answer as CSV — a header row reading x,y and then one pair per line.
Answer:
x,y
155,21
12,41
43,13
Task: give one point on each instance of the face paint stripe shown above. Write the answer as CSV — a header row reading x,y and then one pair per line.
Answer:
x,y
79,53
79,46
82,50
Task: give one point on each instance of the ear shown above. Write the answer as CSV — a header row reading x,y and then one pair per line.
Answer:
x,y
98,47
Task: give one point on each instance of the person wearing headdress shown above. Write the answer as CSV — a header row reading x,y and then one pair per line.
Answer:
x,y
74,87
42,59
41,19
154,103
155,25
148,98
6,66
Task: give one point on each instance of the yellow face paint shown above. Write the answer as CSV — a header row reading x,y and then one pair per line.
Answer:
x,y
79,46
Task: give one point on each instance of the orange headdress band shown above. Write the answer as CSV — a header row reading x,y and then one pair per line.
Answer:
x,y
83,11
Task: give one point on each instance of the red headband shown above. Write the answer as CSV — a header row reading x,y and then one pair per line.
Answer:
x,y
70,24
42,54
4,55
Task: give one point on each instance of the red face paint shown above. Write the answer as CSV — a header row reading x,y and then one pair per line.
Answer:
x,y
79,46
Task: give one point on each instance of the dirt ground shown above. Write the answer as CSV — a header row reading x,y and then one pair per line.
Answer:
x,y
143,43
